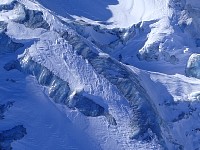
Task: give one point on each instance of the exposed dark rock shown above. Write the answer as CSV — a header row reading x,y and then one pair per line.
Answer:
x,y
11,65
8,136
7,45
4,108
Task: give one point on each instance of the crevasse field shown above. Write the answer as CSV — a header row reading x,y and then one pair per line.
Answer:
x,y
99,74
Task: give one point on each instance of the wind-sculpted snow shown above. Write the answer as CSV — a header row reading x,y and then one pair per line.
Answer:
x,y
11,135
144,117
117,13
58,89
103,38
193,66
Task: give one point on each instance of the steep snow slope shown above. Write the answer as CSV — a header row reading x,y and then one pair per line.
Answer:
x,y
76,86
177,100
49,53
129,12
118,13
164,31
44,123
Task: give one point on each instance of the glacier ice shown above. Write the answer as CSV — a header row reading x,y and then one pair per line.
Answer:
x,y
193,66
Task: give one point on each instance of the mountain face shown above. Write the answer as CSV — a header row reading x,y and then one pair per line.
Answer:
x,y
99,74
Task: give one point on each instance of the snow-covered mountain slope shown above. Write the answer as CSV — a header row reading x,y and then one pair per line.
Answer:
x,y
68,78
119,13
136,31
43,122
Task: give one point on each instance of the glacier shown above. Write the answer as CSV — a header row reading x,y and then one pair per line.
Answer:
x,y
192,68
123,77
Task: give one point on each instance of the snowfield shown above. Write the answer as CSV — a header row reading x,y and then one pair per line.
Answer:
x,y
111,75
